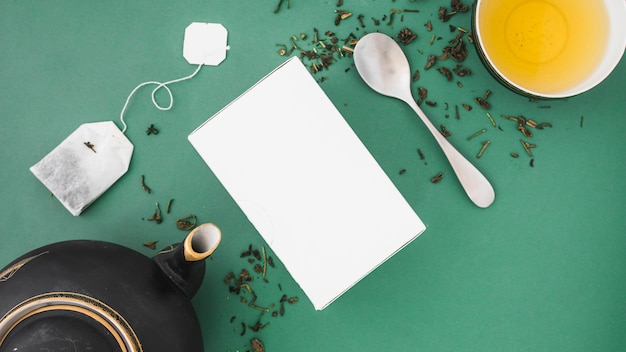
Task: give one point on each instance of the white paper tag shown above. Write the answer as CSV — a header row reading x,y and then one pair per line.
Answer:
x,y
205,43
85,164
306,182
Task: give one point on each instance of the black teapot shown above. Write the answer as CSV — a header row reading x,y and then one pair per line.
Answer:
x,y
88,295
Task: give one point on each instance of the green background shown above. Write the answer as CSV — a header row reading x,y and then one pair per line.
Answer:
x,y
542,269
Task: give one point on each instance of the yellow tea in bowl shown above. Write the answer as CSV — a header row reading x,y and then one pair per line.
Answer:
x,y
549,48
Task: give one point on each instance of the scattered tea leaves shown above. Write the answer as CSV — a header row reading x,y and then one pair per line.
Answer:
x,y
430,62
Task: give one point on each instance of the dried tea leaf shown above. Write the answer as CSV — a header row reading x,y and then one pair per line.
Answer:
x,y
257,345
446,72
406,36
430,62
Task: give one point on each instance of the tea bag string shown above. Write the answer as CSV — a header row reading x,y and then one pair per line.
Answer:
x,y
159,85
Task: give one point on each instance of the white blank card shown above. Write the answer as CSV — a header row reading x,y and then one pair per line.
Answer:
x,y
306,182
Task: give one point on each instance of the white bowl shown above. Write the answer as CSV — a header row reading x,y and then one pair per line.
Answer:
x,y
616,10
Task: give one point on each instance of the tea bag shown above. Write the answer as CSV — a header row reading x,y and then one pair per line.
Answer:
x,y
96,155
85,164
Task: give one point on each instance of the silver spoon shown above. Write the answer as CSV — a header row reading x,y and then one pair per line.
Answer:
x,y
383,66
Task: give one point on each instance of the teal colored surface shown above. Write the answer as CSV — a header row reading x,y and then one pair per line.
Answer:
x,y
542,269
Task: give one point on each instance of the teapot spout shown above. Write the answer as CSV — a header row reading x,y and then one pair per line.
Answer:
x,y
184,263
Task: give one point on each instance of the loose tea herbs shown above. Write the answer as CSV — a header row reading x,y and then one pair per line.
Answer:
x,y
242,286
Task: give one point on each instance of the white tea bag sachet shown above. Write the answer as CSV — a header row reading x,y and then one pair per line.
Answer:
x,y
96,155
85,164
306,182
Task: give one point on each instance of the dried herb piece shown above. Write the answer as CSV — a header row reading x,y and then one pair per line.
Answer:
x,y
430,62
186,223
437,178
514,155
443,15
90,146
280,4
429,26
543,125
416,75
446,72
152,130
460,71
156,217
457,6
493,123
143,185
360,18
232,319
456,112
477,134
422,93
341,15
532,163
405,36
151,244
467,107
483,148
229,277
421,154
483,103
456,51
402,172
247,253
444,131
257,345
431,103
169,205
527,146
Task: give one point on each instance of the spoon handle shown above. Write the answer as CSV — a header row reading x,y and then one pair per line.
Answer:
x,y
475,184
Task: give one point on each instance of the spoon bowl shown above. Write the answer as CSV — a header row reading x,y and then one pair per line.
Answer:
x,y
384,67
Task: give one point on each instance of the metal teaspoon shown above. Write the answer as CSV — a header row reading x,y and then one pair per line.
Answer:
x,y
384,67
